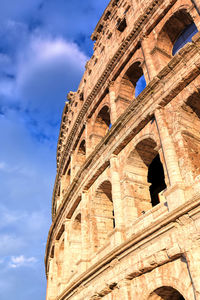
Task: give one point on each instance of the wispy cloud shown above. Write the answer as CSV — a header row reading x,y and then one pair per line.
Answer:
x,y
22,261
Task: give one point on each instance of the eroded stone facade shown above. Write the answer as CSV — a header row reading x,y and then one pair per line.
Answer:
x,y
126,200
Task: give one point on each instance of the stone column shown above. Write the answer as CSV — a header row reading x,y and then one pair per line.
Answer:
x,y
113,107
175,193
149,60
66,261
117,199
129,203
85,231
51,288
89,147
55,269
73,166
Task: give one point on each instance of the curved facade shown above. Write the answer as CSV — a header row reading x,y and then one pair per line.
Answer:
x,y
126,200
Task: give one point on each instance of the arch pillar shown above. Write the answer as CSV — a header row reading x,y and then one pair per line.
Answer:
x,y
51,286
89,147
66,262
175,193
85,231
74,167
113,107
149,60
116,197
193,259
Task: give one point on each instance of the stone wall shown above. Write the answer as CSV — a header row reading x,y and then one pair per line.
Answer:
x,y
125,209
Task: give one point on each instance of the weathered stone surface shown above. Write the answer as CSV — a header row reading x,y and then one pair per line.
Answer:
x,y
126,200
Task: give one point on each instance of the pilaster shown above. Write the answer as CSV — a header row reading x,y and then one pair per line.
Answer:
x,y
116,197
175,192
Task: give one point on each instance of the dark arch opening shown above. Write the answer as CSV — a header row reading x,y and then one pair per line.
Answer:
x,y
166,293
136,77
157,179
104,116
102,122
103,212
184,37
177,31
82,148
133,82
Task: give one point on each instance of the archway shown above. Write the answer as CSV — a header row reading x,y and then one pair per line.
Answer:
x,y
133,82
190,124
75,242
80,157
166,293
101,126
144,175
176,32
103,212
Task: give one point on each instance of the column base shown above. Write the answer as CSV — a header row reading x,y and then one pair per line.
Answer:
x,y
175,196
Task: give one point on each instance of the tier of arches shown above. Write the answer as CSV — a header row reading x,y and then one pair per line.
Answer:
x,y
153,53
173,32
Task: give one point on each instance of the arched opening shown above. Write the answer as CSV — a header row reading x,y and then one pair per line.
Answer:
x,y
101,126
60,261
166,293
80,157
144,174
185,37
176,32
82,148
75,242
65,181
103,212
190,124
133,82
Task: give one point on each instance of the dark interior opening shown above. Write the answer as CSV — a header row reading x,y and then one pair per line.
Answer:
x,y
104,116
113,213
121,24
166,293
157,179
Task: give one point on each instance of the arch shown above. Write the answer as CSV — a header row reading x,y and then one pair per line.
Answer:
x,y
82,148
101,125
133,82
75,242
60,260
184,37
166,293
80,156
144,173
190,124
103,212
168,42
162,279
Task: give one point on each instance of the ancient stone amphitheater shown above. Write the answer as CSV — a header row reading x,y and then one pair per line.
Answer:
x,y
126,201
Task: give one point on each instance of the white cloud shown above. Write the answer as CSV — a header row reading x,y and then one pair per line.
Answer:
x,y
21,261
47,70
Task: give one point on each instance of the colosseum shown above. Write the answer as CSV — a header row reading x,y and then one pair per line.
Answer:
x,y
126,200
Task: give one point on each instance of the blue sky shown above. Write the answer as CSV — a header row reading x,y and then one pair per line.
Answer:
x,y
44,45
